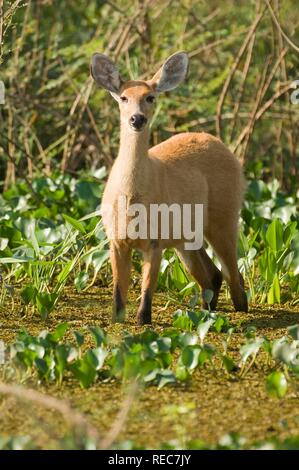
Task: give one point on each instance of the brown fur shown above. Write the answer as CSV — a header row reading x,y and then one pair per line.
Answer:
x,y
194,168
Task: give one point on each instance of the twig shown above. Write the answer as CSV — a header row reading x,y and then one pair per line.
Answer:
x,y
242,85
261,112
107,157
71,133
261,97
1,27
243,48
120,419
258,100
75,419
288,40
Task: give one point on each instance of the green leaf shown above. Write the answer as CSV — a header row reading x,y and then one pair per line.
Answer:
x,y
40,350
11,260
41,366
273,296
84,372
96,357
187,339
208,295
203,329
250,349
187,290
274,235
98,335
219,324
228,363
165,377
81,280
283,352
79,338
182,321
182,373
28,294
294,332
289,232
45,303
276,384
61,355
189,356
64,273
75,223
33,238
59,332
99,258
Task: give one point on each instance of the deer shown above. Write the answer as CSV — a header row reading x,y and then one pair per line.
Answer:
x,y
187,168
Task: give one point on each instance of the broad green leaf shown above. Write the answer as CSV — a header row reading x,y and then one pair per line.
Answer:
x,y
41,366
273,296
228,363
28,294
203,329
250,349
182,373
182,321
189,356
276,384
274,235
79,338
33,238
289,232
45,303
294,332
187,339
96,357
208,295
99,335
165,377
284,352
59,332
81,280
84,372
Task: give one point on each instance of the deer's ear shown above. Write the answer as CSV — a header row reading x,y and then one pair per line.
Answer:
x,y
105,73
172,72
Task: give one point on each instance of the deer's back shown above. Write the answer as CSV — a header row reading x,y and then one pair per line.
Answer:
x,y
192,156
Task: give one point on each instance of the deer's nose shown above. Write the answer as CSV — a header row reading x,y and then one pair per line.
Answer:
x,y
137,121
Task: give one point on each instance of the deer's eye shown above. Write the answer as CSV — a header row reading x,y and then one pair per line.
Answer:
x,y
124,99
150,99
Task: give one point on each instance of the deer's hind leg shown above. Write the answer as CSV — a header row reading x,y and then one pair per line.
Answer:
x,y
224,244
202,268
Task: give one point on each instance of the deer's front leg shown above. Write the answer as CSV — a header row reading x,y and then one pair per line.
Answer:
x,y
150,271
121,266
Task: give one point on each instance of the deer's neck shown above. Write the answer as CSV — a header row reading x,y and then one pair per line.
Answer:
x,y
133,161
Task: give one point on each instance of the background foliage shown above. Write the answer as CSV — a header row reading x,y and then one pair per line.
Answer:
x,y
58,139
241,70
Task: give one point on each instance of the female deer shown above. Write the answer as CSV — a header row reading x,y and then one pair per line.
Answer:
x,y
188,168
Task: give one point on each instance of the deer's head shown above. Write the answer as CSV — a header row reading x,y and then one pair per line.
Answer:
x,y
136,98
